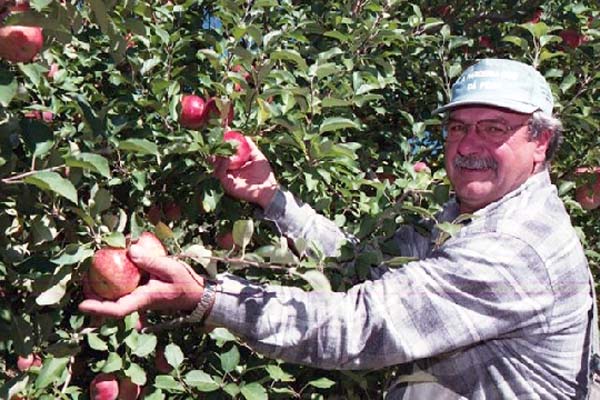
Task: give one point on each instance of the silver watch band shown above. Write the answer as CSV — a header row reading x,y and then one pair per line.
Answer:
x,y
208,297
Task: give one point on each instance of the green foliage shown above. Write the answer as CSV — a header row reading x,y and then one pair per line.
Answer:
x,y
338,96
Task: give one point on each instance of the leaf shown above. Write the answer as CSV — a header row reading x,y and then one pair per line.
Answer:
x,y
96,342
167,382
397,261
278,374
8,87
337,123
113,363
254,391
202,255
448,227
290,55
115,239
201,381
48,180
173,355
89,161
146,343
242,232
140,146
317,280
55,293
322,383
51,371
137,374
230,359
73,254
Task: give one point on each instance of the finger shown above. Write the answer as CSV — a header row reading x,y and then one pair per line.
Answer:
x,y
164,268
255,152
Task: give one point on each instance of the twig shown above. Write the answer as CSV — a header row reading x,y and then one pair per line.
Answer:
x,y
19,177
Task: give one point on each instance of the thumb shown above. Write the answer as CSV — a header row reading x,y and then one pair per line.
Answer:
x,y
161,267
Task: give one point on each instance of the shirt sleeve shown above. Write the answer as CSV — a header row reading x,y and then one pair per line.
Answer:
x,y
473,289
296,220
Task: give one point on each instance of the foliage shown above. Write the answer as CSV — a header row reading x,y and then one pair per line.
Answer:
x,y
339,97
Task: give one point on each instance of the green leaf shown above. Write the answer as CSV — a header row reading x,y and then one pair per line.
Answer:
x,y
140,146
73,254
278,374
317,280
254,391
115,239
56,291
337,123
167,382
48,180
230,359
201,381
146,343
242,232
8,87
89,161
450,228
113,363
96,342
290,55
322,383
137,374
174,355
51,371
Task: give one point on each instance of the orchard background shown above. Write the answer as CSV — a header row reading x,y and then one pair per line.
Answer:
x,y
337,94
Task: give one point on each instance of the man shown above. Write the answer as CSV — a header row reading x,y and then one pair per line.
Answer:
x,y
499,311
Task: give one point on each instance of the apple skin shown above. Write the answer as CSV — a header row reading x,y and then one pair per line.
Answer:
x,y
588,195
225,241
32,360
420,166
20,43
242,154
154,214
152,244
128,390
572,38
104,387
160,362
172,211
194,112
52,71
112,274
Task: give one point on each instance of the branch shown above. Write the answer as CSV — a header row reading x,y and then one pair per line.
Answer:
x,y
18,178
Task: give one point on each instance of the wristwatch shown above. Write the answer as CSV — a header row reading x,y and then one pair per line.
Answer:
x,y
205,304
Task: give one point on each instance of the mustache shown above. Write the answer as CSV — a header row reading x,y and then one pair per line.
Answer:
x,y
472,162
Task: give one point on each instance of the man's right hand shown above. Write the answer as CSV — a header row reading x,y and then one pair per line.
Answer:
x,y
253,182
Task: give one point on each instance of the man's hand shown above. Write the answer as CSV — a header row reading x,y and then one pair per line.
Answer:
x,y
173,285
253,182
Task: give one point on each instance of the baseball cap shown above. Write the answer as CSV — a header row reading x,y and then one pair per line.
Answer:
x,y
501,83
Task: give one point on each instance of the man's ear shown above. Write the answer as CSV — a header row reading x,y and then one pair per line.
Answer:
x,y
542,143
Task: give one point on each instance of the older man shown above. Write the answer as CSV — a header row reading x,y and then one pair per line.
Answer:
x,y
499,311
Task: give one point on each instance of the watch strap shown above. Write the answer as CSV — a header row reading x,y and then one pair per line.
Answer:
x,y
201,311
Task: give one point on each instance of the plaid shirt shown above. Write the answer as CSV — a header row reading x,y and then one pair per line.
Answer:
x,y
499,311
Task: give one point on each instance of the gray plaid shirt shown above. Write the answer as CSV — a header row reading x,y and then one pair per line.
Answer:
x,y
499,311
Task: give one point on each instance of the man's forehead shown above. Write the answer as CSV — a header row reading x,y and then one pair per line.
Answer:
x,y
485,112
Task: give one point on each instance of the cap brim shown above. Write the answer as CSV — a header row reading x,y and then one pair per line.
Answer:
x,y
507,104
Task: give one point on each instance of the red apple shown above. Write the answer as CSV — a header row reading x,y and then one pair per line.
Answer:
x,y
128,390
112,274
242,154
485,41
52,71
194,112
154,214
537,16
20,6
104,387
420,166
245,74
20,43
588,195
225,241
160,362
172,211
572,38
32,360
152,244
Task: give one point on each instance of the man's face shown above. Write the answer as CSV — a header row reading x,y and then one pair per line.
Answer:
x,y
484,166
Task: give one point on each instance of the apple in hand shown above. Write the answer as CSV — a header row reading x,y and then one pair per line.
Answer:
x,y
152,244
242,154
20,43
32,360
112,274
194,112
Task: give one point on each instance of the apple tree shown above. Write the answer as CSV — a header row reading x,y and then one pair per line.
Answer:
x,y
101,140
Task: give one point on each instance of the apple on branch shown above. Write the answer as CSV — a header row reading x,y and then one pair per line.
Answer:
x,y
194,112
104,387
32,360
20,43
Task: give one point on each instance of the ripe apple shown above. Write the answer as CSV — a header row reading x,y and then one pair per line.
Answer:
x,y
172,211
225,241
194,112
112,274
152,244
32,360
588,195
128,390
537,16
20,43
245,74
420,166
242,154
46,116
486,42
154,214
160,362
20,6
572,38
104,387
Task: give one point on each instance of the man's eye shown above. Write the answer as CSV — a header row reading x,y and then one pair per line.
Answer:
x,y
456,128
493,129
